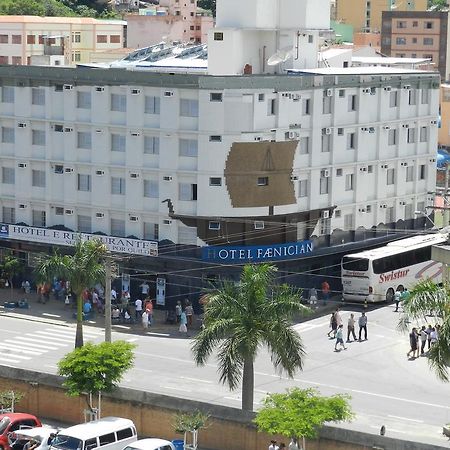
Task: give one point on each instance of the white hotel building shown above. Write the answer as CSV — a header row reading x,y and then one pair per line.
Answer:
x,y
332,155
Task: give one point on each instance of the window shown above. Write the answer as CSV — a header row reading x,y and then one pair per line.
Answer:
x,y
304,145
411,138
76,56
303,188
3,60
83,100
84,225
415,24
117,186
324,185
215,181
390,177
151,231
349,222
261,97
401,24
3,38
400,41
16,39
76,37
7,94
38,178
412,97
118,227
217,97
187,192
151,188
423,134
152,104
37,96
31,39
326,143
428,25
118,142
425,97
188,147
341,93
263,181
118,102
409,174
102,39
392,137
37,137
326,105
84,139
422,172
125,433
8,135
272,107
339,172
340,132
38,218
351,141
349,182
393,99
188,108
84,182
8,175
306,110
151,145
218,36
16,60
352,102
59,169
215,138
114,39
9,214
214,225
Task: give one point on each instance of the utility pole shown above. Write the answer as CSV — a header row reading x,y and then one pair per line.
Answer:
x,y
446,212
108,279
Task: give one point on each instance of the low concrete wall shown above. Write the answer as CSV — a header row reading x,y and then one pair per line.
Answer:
x,y
229,428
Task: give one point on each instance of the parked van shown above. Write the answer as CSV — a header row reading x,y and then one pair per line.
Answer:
x,y
151,444
109,433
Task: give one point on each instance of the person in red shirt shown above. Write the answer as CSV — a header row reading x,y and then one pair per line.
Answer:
x,y
325,291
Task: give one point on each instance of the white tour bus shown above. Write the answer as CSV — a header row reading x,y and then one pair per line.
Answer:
x,y
375,275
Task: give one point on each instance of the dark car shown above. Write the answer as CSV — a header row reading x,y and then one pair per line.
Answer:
x,y
12,422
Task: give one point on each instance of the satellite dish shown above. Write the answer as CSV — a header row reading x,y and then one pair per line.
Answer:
x,y
280,56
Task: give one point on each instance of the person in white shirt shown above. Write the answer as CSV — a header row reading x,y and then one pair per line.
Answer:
x,y
293,444
138,308
273,445
113,294
145,288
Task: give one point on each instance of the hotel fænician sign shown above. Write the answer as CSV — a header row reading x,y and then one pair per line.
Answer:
x,y
57,237
257,253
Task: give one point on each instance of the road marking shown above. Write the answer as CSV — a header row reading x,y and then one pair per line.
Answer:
x,y
132,340
40,346
170,358
51,315
9,360
378,335
33,339
9,352
54,336
153,333
123,327
406,418
21,350
72,331
51,366
197,379
176,388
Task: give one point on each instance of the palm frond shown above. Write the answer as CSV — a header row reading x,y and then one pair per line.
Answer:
x,y
231,363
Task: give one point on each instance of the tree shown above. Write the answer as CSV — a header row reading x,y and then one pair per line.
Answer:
x,y
96,368
300,413
428,298
241,318
10,267
437,5
190,422
208,4
83,270
8,400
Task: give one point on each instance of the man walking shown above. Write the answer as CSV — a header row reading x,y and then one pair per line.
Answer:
x,y
362,322
340,338
325,291
351,327
413,343
397,298
423,339
138,308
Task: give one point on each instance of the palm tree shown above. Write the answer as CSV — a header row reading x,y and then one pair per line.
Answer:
x,y
241,318
83,270
425,299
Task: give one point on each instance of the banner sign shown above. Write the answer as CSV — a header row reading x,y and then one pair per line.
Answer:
x,y
161,291
257,253
57,237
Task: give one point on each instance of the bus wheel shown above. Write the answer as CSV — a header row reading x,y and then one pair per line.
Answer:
x,y
390,295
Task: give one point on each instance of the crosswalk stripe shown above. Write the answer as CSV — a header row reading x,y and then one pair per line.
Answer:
x,y
21,350
32,339
73,332
14,356
9,360
54,336
40,346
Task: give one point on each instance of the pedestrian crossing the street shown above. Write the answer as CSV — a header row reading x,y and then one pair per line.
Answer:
x,y
22,348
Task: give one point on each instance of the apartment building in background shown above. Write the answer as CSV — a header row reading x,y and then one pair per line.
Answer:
x,y
417,34
26,40
365,15
171,21
444,129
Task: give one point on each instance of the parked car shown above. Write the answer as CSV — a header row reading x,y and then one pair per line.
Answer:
x,y
151,444
38,438
12,422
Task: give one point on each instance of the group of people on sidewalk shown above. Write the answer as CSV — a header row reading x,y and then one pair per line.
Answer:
x,y
427,335
337,329
293,445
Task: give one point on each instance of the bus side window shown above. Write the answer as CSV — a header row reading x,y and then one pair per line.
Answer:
x,y
107,439
124,434
90,444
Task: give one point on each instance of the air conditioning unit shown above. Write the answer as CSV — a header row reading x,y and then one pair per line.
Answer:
x,y
407,86
258,138
384,166
100,172
293,134
167,178
99,131
99,89
365,129
366,91
134,218
386,127
167,222
371,130
363,169
168,93
433,160
21,125
58,168
68,212
383,206
402,203
135,91
405,125
134,175
296,97
325,214
325,173
58,128
362,210
329,92
327,130
68,130
404,164
99,215
22,206
22,165
433,122
259,225
68,87
135,133
388,88
68,170
294,178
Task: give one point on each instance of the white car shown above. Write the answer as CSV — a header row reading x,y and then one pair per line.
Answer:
x,y
150,444
23,439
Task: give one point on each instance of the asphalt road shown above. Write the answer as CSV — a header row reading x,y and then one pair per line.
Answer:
x,y
386,388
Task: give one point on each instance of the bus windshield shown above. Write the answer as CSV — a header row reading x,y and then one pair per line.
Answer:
x,y
66,442
355,264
